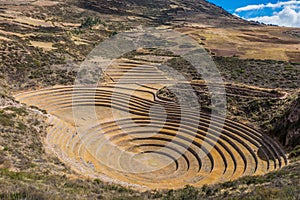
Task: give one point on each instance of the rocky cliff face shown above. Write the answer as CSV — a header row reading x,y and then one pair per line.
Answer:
x,y
287,127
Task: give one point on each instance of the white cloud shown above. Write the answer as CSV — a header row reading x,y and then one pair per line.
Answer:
x,y
236,15
269,5
251,7
287,13
286,17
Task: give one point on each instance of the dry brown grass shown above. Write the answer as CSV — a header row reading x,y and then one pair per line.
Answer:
x,y
252,42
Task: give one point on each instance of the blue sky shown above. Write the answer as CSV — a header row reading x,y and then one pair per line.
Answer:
x,y
283,13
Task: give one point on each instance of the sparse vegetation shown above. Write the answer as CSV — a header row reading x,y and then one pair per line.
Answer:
x,y
89,22
295,153
28,172
7,118
261,73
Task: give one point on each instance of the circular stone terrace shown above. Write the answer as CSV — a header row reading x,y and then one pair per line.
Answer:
x,y
150,145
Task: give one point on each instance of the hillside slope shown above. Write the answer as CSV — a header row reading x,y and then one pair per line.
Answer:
x,y
43,43
287,126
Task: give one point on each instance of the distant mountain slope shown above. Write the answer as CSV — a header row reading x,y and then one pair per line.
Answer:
x,y
166,11
217,30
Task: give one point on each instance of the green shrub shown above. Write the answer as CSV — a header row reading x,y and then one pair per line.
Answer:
x,y
21,126
18,111
6,119
90,22
295,153
188,193
97,181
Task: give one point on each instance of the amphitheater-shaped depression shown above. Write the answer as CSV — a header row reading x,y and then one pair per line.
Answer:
x,y
147,147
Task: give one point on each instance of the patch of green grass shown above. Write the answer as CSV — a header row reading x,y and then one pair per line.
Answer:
x,y
13,196
6,119
29,193
295,153
18,175
187,193
5,148
19,111
21,126
265,193
89,22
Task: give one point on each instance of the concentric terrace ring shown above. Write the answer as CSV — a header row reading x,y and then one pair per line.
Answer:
x,y
122,132
235,149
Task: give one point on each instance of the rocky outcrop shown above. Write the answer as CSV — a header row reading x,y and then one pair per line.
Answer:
x,y
287,127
